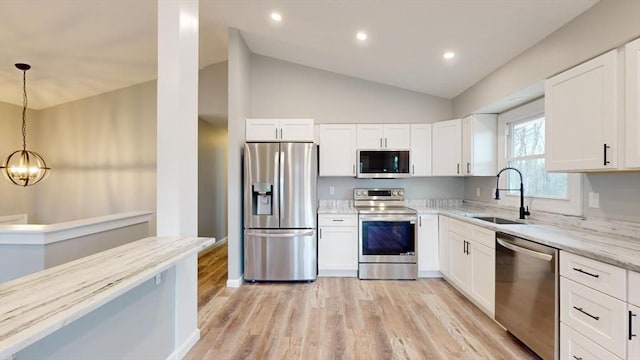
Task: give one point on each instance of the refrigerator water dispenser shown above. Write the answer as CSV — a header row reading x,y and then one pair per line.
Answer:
x,y
262,194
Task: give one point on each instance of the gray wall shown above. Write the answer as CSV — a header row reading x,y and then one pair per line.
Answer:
x,y
136,325
281,89
239,106
102,151
606,25
212,180
416,189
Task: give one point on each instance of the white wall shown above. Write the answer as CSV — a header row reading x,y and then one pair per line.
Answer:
x,y
606,25
283,89
15,200
239,105
102,151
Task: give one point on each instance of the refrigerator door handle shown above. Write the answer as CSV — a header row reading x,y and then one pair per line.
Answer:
x,y
258,233
281,186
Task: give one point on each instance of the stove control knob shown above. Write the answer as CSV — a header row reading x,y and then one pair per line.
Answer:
x,y
400,193
358,193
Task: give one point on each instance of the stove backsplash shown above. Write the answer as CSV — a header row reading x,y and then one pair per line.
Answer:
x,y
415,188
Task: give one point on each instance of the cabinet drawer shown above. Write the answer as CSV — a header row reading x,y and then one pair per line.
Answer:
x,y
597,316
634,288
338,220
606,278
460,227
574,345
484,236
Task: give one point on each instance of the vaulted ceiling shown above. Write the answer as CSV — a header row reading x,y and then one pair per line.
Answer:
x,y
80,48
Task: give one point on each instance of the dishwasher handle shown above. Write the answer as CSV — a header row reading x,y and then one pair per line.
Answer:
x,y
518,249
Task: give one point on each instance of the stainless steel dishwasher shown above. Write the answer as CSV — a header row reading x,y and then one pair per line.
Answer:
x,y
527,293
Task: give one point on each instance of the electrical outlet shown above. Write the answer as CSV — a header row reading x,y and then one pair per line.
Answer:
x,y
594,200
332,190
477,192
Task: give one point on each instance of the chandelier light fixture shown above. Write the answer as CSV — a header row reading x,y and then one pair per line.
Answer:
x,y
24,167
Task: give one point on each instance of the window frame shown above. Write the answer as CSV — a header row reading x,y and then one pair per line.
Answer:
x,y
572,204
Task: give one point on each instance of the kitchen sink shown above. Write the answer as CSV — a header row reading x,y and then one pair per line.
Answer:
x,y
497,220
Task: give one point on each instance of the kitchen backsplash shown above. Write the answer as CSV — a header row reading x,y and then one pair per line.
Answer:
x,y
415,188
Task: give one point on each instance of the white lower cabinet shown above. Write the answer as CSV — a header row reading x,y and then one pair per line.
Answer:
x,y
577,346
472,262
444,245
338,245
428,264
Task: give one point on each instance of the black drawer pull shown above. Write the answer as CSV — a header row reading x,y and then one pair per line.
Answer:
x,y
586,313
631,334
577,358
337,220
586,273
606,162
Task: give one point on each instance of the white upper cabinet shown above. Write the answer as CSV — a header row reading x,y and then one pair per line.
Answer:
x,y
447,148
581,116
384,136
338,150
420,149
279,130
479,145
632,104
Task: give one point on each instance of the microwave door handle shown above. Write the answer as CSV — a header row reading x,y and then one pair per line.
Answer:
x,y
521,250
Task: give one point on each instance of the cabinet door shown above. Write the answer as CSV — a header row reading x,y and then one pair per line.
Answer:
x,y
581,116
632,104
633,335
296,130
370,136
338,251
428,243
262,129
337,150
420,149
459,260
443,245
483,275
397,136
467,145
447,136
574,345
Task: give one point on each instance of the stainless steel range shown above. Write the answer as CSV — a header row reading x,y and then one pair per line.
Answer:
x,y
387,235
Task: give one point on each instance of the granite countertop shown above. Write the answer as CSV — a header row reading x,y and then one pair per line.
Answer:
x,y
608,247
36,305
609,241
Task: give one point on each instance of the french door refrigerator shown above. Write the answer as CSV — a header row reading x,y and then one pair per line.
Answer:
x,y
280,241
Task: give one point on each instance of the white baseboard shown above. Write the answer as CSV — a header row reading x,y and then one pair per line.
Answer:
x,y
184,348
429,274
338,273
235,283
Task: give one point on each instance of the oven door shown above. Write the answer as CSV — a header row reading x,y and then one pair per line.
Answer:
x,y
387,238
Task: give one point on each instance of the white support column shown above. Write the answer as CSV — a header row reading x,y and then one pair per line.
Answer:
x,y
177,156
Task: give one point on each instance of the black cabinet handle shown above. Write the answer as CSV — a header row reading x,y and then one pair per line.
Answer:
x,y
631,334
276,133
413,169
320,233
458,171
385,142
280,133
577,358
586,273
605,155
337,220
468,168
420,221
586,313
381,142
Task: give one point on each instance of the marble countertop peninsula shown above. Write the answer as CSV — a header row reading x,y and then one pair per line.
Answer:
x,y
36,305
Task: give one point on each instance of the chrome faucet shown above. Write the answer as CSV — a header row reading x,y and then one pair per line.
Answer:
x,y
523,212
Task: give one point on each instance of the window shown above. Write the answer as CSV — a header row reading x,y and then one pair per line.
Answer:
x,y
525,152
523,133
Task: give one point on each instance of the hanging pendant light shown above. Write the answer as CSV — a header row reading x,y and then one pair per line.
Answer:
x,y
24,167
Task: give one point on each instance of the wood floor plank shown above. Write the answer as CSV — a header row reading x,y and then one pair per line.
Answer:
x,y
342,318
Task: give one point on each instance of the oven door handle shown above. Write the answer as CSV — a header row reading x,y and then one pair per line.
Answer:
x,y
521,250
410,218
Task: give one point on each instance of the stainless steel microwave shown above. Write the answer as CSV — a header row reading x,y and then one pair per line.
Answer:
x,y
383,163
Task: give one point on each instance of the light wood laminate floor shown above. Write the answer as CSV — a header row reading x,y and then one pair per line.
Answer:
x,y
347,318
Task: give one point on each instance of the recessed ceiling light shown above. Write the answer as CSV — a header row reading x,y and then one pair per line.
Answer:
x,y
449,55
276,16
361,35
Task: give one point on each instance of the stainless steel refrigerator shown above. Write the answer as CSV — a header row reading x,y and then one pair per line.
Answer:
x,y
280,241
